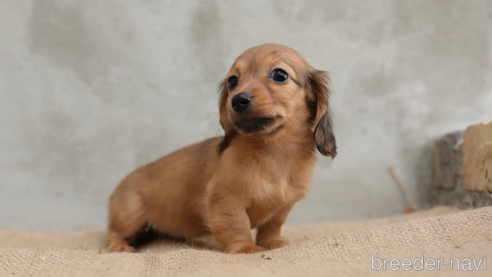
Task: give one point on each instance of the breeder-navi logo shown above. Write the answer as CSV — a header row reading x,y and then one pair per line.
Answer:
x,y
429,264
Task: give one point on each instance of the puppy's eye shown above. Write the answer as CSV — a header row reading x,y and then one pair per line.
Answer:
x,y
279,76
232,82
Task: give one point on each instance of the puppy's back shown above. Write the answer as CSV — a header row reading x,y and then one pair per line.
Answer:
x,y
168,193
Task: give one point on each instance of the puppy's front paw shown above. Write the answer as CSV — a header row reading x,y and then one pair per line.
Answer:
x,y
273,243
120,246
246,249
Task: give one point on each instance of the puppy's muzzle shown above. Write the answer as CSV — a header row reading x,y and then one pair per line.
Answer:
x,y
247,120
254,124
241,101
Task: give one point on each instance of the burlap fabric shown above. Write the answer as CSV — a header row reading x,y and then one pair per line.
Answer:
x,y
335,249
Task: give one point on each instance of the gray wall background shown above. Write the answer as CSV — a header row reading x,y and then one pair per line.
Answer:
x,y
91,89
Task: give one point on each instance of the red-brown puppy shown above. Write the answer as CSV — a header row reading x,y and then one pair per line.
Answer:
x,y
274,111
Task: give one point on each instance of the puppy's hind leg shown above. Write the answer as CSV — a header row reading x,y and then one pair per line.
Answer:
x,y
126,218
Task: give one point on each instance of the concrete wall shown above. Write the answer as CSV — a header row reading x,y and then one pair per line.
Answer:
x,y
91,89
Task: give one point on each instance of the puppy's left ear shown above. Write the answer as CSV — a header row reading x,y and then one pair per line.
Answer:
x,y
318,82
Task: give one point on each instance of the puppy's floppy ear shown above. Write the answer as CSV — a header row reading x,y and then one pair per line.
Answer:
x,y
226,124
318,82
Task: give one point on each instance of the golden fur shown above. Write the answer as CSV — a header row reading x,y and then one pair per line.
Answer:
x,y
249,178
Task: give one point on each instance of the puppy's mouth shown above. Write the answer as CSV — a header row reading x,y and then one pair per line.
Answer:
x,y
258,125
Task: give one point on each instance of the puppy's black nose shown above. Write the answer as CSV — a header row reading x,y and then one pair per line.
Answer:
x,y
241,101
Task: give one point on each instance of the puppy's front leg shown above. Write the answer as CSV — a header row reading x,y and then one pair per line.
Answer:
x,y
230,223
268,235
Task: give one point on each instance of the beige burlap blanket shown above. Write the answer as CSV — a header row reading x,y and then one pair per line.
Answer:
x,y
459,238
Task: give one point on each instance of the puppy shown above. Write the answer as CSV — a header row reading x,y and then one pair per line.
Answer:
x,y
274,112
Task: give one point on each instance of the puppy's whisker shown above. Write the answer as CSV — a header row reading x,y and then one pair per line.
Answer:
x,y
215,72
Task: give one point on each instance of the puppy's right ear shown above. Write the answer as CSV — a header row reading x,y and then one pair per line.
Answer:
x,y
225,122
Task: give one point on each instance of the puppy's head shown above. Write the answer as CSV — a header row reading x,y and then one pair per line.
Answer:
x,y
271,89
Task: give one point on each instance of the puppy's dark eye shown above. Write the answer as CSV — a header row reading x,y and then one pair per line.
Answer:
x,y
232,82
279,76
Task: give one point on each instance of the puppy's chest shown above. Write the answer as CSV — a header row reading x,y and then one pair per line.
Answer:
x,y
279,181
268,198
274,184
271,192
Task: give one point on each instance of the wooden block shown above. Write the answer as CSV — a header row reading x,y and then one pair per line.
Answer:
x,y
446,161
477,157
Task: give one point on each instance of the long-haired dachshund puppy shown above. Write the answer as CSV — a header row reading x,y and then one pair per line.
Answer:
x,y
274,112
